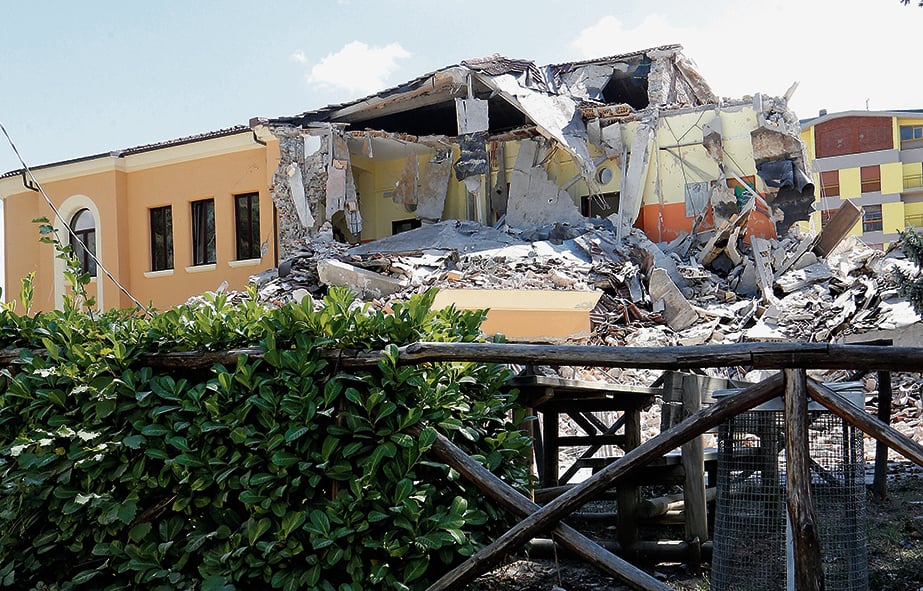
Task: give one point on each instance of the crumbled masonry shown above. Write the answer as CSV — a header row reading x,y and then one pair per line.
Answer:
x,y
611,114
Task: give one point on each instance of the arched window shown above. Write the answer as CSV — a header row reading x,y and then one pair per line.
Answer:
x,y
83,240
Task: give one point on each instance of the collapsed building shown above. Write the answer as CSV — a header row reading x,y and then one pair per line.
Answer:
x,y
638,138
625,177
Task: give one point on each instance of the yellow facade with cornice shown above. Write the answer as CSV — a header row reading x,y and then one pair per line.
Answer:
x,y
120,191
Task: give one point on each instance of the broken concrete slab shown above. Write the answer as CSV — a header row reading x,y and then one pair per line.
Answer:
x,y
366,284
639,159
677,311
839,226
471,115
534,199
799,279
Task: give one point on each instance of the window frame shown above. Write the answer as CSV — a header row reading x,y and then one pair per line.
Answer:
x,y
247,231
871,218
870,178
81,238
204,247
830,183
161,253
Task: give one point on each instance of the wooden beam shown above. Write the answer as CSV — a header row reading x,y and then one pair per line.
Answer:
x,y
491,556
756,355
888,435
488,483
809,567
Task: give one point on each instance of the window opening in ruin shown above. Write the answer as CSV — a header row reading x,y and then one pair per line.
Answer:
x,y
629,87
399,226
161,238
601,206
83,240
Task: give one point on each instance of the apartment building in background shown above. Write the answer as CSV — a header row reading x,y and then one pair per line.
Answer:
x,y
875,160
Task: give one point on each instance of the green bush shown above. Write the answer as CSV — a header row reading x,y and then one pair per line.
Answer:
x,y
284,471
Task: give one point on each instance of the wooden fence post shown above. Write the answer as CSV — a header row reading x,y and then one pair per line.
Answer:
x,y
809,571
880,482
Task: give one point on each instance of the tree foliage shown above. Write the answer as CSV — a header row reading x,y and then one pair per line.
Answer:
x,y
911,286
282,472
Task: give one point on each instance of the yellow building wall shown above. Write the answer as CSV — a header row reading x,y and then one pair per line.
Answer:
x,y
123,196
807,136
850,183
913,175
892,178
219,178
25,252
892,217
913,214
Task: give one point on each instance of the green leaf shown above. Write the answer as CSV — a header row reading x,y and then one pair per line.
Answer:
x,y
154,430
415,569
292,520
140,531
216,583
134,441
255,529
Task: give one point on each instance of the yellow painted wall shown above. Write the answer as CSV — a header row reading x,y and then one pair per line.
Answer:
x,y
913,214
892,217
807,136
123,190
912,175
892,178
850,183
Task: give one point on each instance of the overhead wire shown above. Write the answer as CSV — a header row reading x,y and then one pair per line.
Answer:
x,y
73,235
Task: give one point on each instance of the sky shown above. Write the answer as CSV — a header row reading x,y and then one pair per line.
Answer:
x,y
83,78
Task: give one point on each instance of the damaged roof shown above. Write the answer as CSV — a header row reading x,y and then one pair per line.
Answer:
x,y
618,79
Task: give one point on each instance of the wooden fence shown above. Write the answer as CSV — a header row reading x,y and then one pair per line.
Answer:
x,y
791,383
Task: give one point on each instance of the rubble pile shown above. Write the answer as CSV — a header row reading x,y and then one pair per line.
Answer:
x,y
651,294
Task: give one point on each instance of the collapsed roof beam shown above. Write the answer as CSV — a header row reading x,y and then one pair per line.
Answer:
x,y
438,88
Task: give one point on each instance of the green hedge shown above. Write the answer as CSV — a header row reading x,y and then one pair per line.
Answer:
x,y
281,472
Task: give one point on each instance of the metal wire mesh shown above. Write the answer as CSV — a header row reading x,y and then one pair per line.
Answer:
x,y
751,549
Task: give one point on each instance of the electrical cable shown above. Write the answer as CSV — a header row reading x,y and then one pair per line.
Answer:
x,y
73,235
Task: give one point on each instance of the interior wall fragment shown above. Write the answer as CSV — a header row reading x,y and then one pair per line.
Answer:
x,y
534,199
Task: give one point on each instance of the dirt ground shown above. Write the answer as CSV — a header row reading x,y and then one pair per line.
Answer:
x,y
895,528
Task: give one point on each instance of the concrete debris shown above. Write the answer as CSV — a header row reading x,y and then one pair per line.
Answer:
x,y
845,295
366,284
529,186
677,311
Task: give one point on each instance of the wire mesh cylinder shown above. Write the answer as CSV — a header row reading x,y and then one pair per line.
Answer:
x,y
752,545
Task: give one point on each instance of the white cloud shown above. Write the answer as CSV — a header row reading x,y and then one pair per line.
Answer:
x,y
358,68
841,52
299,57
